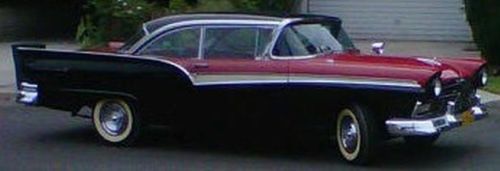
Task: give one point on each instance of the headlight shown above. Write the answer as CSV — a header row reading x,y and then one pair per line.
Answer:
x,y
437,87
483,77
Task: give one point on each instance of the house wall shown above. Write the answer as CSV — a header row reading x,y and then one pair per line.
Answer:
x,y
428,20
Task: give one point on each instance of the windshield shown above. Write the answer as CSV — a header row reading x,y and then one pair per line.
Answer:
x,y
132,40
312,38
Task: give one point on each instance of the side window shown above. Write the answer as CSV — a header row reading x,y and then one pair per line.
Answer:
x,y
306,39
179,44
240,43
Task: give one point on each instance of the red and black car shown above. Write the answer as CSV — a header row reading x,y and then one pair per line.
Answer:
x,y
261,72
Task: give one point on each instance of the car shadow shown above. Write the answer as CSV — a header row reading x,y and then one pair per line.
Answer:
x,y
393,154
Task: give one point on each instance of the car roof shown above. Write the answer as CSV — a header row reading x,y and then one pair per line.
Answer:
x,y
153,25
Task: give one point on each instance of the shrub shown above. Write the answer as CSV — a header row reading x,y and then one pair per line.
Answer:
x,y
111,20
484,18
107,20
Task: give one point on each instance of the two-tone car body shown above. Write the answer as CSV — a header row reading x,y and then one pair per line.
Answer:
x,y
208,70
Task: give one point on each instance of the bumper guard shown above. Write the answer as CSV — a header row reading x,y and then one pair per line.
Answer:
x,y
430,126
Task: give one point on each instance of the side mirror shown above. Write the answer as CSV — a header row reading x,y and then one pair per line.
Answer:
x,y
378,47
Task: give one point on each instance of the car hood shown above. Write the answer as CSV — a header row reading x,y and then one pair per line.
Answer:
x,y
418,69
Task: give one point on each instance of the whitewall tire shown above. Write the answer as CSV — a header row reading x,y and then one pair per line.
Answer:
x,y
116,121
357,134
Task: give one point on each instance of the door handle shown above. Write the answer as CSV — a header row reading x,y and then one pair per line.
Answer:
x,y
201,65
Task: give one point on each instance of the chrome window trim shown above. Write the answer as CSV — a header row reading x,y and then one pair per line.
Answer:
x,y
256,44
145,29
155,39
202,37
278,27
279,31
139,44
201,51
243,26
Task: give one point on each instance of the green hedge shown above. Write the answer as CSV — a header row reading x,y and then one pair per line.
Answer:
x,y
484,18
116,20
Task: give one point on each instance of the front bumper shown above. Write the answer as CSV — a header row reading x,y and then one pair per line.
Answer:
x,y
431,126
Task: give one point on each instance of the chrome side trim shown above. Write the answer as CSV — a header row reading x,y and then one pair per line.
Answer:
x,y
28,85
240,82
335,79
186,73
229,79
253,78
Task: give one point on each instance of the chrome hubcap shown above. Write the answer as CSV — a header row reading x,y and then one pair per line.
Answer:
x,y
113,118
349,134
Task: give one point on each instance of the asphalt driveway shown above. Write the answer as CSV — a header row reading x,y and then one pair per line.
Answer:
x,y
42,139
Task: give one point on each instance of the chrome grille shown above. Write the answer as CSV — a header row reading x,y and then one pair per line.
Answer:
x,y
461,92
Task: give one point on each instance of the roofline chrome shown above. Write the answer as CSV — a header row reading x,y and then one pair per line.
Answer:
x,y
145,29
184,70
161,30
280,30
267,53
201,37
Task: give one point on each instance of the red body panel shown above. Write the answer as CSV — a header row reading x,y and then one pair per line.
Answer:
x,y
417,69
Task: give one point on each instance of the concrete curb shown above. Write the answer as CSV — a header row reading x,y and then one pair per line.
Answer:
x,y
7,89
487,97
7,99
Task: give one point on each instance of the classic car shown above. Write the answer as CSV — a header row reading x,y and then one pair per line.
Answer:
x,y
300,73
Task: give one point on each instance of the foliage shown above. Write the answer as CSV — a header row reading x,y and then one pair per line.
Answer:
x,y
484,18
493,85
111,20
108,20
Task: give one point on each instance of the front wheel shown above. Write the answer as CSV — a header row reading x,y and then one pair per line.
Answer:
x,y
356,134
116,121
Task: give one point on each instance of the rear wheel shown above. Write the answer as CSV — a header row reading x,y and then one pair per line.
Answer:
x,y
356,134
116,121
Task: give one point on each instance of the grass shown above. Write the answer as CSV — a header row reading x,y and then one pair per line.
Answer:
x,y
493,85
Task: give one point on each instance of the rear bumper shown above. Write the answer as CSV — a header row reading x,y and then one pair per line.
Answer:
x,y
28,94
431,126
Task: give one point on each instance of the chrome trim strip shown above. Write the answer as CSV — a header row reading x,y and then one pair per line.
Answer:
x,y
241,82
253,78
201,50
145,29
28,85
203,30
116,55
335,79
274,41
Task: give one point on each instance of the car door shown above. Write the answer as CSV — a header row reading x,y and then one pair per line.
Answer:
x,y
234,56
233,73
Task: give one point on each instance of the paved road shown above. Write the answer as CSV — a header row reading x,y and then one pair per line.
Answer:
x,y
42,139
